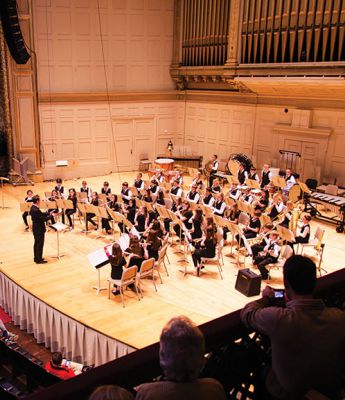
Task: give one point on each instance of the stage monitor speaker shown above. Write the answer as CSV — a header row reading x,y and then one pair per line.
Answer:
x,y
12,32
248,283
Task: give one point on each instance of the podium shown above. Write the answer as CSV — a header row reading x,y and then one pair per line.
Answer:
x,y
98,259
58,227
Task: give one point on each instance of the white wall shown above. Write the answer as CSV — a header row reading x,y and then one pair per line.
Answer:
x,y
74,41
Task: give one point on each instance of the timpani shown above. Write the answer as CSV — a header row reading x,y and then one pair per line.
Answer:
x,y
165,163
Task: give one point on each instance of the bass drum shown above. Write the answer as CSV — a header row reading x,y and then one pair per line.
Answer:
x,y
236,159
207,170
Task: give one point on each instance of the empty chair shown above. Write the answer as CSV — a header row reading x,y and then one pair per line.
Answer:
x,y
147,270
129,277
161,256
214,260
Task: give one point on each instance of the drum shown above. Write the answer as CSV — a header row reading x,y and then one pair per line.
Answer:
x,y
165,163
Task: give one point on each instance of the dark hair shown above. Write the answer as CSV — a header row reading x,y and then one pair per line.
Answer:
x,y
36,199
29,191
198,215
116,253
300,274
307,217
125,184
58,180
105,183
110,392
57,358
182,350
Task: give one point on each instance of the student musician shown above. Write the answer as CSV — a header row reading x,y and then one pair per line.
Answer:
x,y
158,176
90,216
154,187
242,174
176,190
208,199
253,174
28,199
152,245
247,195
139,184
266,176
198,181
193,195
261,201
140,219
277,206
219,205
85,189
160,198
207,249
72,195
53,197
195,232
59,188
114,206
234,193
147,196
252,229
265,234
214,169
185,215
290,181
303,234
286,223
177,178
269,255
216,188
136,256
106,189
117,262
126,194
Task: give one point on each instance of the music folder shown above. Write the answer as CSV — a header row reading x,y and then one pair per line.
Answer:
x,y
98,258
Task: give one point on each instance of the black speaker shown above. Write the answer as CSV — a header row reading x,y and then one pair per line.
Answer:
x,y
248,283
12,32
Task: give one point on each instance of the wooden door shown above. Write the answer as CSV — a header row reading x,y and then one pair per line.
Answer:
x,y
122,145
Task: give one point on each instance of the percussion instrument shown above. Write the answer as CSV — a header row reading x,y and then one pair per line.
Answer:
x,y
165,163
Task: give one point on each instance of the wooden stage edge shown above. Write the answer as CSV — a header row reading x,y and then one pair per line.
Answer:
x,y
66,284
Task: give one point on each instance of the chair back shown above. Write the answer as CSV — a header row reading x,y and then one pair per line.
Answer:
x,y
319,234
146,266
243,219
165,240
129,275
287,252
161,254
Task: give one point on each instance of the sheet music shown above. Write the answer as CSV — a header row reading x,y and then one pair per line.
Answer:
x,y
98,258
124,241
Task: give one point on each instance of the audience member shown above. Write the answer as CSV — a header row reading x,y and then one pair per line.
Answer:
x,y
55,367
181,356
307,338
111,392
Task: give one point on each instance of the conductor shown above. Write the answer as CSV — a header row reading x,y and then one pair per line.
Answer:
x,y
38,228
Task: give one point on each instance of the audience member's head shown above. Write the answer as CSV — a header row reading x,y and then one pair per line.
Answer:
x,y
111,392
36,199
182,350
299,276
56,358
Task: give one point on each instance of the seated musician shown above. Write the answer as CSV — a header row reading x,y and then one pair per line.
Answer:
x,y
247,195
303,233
219,205
59,188
158,176
160,198
72,195
253,174
197,180
154,187
28,199
193,195
252,229
195,232
266,177
216,187
85,189
89,216
126,194
176,190
136,256
130,210
207,249
106,189
289,179
53,197
185,216
139,184
242,174
234,193
114,206
148,196
261,201
214,169
269,255
277,206
152,245
117,262
140,219
287,214
232,215
178,178
256,248
208,199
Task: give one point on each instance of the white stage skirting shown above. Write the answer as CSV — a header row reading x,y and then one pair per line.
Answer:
x,y
56,330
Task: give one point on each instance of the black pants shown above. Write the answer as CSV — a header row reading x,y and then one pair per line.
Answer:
x,y
211,179
199,253
262,261
256,248
69,212
89,217
106,224
38,246
25,218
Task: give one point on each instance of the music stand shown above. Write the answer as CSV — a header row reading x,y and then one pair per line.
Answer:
x,y
114,219
82,209
58,227
98,259
252,183
101,213
3,179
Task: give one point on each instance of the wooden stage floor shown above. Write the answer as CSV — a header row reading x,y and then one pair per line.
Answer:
x,y
67,284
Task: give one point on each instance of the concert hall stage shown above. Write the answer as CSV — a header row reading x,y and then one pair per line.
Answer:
x,y
57,303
